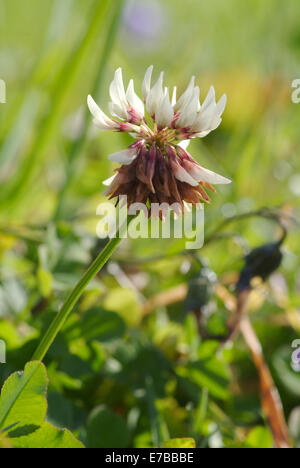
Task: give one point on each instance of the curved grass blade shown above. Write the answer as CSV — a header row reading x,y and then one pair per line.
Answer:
x,y
13,190
78,144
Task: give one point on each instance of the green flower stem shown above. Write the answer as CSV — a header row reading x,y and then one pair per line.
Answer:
x,y
67,308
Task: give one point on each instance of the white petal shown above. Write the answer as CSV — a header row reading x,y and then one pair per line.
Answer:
x,y
134,100
182,175
215,123
147,82
209,117
100,118
165,113
186,96
184,144
109,181
221,105
155,95
202,134
210,99
118,80
205,175
125,156
117,94
174,96
205,119
117,111
188,113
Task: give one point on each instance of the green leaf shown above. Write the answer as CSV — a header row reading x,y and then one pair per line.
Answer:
x,y
97,324
186,442
124,302
209,372
106,429
48,436
23,397
45,281
23,408
260,437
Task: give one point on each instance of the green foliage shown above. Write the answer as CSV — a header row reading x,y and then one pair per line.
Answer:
x,y
259,438
140,363
179,443
23,397
106,429
48,436
23,408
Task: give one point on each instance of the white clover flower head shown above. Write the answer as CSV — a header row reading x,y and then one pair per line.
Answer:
x,y
157,167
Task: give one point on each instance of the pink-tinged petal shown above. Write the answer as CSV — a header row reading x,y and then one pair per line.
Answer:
x,y
179,172
129,128
125,156
182,175
200,174
135,102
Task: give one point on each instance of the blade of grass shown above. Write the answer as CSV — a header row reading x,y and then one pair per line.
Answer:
x,y
20,182
78,144
59,15
153,413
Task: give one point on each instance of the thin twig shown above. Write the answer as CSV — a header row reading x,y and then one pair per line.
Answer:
x,y
262,213
270,398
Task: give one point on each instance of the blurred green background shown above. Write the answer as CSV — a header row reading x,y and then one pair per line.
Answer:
x,y
127,372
